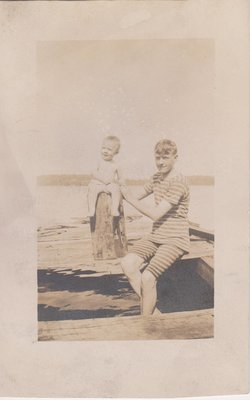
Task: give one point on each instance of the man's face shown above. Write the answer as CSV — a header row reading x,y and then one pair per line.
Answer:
x,y
108,150
165,162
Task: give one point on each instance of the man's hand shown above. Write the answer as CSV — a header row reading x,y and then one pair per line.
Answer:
x,y
126,192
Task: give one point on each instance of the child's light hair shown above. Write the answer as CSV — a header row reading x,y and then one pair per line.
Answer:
x,y
115,140
165,146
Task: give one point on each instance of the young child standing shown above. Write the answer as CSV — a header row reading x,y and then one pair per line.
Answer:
x,y
169,238
107,176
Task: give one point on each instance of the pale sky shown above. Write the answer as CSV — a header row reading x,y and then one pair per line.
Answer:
x,y
138,90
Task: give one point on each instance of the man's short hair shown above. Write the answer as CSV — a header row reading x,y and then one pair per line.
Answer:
x,y
166,146
115,140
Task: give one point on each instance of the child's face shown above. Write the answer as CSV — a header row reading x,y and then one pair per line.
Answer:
x,y
165,162
108,150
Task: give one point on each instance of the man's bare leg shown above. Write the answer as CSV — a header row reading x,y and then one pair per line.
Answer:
x,y
131,267
149,293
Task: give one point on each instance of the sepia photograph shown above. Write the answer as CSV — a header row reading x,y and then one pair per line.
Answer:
x,y
125,206
124,218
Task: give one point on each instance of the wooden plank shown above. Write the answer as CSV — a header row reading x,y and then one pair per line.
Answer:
x,y
209,260
199,249
202,233
70,247
181,325
107,232
78,254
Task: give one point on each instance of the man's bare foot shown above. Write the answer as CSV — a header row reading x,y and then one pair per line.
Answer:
x,y
156,312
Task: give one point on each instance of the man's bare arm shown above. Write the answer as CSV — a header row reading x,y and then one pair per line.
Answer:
x,y
153,212
142,194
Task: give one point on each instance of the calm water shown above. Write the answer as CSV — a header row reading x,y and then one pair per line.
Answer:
x,y
61,204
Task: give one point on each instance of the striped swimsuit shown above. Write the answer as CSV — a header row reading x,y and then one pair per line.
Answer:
x,y
169,238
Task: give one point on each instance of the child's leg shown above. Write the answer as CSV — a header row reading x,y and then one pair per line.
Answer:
x,y
165,256
114,189
93,192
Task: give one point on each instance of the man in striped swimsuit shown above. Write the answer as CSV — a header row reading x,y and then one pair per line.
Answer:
x,y
169,238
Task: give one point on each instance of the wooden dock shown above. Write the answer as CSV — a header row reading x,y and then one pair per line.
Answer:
x,y
73,287
183,325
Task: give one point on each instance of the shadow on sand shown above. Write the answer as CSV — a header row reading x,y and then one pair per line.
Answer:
x,y
56,314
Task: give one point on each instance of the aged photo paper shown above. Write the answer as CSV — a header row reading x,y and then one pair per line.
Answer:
x,y
125,198
110,86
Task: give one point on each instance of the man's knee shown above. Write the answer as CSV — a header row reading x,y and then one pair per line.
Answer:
x,y
131,263
148,279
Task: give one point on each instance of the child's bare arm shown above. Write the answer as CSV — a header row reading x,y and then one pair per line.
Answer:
x,y
120,178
